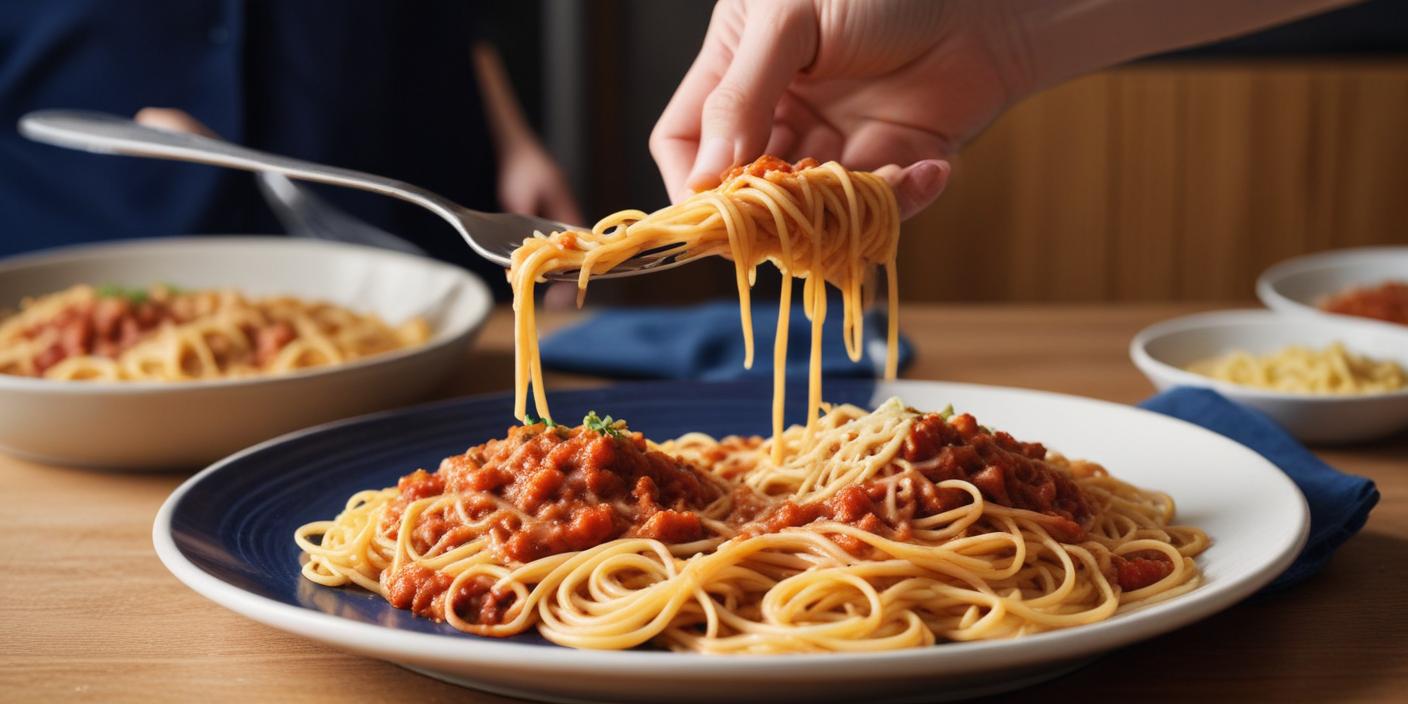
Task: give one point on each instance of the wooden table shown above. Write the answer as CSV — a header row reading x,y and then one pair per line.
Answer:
x,y
89,614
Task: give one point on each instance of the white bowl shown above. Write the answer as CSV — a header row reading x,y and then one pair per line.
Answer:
x,y
1163,350
155,425
1298,285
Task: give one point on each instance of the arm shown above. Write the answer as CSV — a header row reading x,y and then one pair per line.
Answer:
x,y
529,180
1060,40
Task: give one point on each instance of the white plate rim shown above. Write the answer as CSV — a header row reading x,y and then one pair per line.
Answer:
x,y
440,338
400,646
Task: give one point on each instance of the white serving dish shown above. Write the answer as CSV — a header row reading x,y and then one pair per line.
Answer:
x,y
1298,285
1162,351
153,425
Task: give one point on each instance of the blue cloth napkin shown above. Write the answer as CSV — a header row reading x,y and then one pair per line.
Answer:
x,y
1339,502
706,342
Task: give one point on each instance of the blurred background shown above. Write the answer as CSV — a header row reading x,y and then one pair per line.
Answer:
x,y
1175,178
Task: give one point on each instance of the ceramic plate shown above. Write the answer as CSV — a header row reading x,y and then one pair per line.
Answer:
x,y
1298,285
228,534
155,425
1163,351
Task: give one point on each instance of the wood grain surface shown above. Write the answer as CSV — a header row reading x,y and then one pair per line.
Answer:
x,y
89,614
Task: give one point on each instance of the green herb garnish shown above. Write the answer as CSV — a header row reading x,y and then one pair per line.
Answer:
x,y
530,419
135,296
947,412
605,426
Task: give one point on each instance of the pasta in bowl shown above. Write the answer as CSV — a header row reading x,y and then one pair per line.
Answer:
x,y
163,333
1325,379
172,374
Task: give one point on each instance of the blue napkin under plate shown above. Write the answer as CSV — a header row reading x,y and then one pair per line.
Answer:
x,y
706,342
1339,502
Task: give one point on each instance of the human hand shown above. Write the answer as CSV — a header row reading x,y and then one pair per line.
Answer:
x,y
889,85
531,183
172,120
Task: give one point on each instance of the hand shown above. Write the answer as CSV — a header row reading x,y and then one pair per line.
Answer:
x,y
531,183
898,84
172,120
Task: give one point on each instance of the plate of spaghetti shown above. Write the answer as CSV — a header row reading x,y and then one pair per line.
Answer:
x,y
699,542
218,342
903,547
1325,378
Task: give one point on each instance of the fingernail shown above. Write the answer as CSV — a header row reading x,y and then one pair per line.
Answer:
x,y
714,157
927,176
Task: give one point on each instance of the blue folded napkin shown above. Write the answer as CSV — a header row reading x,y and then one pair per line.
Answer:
x,y
1339,503
706,342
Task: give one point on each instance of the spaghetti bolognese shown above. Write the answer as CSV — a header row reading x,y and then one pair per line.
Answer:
x,y
881,530
161,333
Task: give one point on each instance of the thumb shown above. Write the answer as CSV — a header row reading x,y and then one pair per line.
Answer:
x,y
736,119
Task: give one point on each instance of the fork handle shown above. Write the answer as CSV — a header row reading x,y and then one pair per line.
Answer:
x,y
110,134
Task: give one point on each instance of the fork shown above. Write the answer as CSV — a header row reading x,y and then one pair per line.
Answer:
x,y
493,236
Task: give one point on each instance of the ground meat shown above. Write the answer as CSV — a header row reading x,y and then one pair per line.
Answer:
x,y
577,488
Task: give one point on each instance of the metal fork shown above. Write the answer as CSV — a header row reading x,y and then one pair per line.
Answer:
x,y
493,235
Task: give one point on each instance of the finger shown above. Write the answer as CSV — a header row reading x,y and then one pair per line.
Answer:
x,y
675,138
816,138
735,122
917,185
172,120
878,143
822,143
782,141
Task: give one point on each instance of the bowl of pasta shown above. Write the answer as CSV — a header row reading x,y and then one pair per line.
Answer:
x,y
168,353
1326,379
1369,283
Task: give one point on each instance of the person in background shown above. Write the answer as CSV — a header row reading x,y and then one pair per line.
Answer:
x,y
897,86
377,85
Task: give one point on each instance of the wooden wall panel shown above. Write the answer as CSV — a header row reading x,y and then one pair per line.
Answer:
x,y
1175,181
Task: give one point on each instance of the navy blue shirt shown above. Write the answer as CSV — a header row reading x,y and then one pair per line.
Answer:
x,y
377,85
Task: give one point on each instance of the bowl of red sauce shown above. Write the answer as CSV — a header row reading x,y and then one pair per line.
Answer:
x,y
1368,283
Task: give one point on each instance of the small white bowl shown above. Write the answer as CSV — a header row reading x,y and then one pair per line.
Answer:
x,y
1162,351
1298,285
155,425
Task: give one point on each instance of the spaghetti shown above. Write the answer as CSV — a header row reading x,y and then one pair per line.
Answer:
x,y
163,334
880,530
818,222
1297,369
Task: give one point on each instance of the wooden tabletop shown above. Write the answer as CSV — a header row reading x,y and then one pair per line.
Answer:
x,y
89,614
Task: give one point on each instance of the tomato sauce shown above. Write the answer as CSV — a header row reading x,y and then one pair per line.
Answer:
x,y
766,164
546,490
1387,301
1005,470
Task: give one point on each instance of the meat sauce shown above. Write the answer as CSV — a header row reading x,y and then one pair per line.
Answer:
x,y
1387,301
1005,470
109,326
766,164
569,489
106,327
579,488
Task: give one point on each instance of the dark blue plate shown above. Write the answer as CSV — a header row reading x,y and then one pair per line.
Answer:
x,y
237,522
